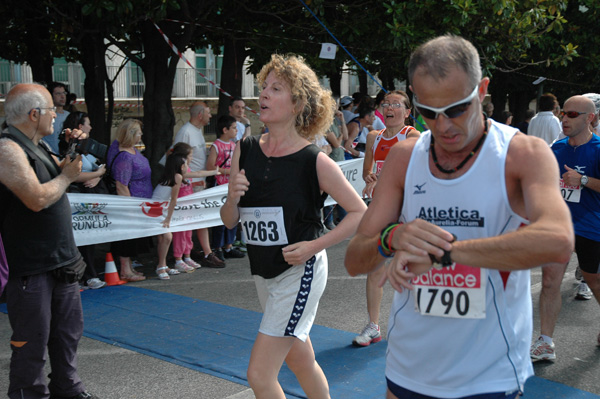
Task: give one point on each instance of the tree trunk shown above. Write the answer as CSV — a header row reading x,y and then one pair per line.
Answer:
x,y
94,64
335,80
159,67
232,72
38,53
363,82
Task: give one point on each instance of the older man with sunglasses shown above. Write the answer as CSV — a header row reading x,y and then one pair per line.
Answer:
x,y
460,215
578,156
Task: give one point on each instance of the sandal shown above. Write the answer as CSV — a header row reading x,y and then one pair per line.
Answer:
x,y
132,278
163,275
173,272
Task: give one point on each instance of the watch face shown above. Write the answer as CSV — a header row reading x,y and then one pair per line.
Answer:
x,y
584,180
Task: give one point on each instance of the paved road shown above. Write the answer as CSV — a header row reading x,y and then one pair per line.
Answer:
x,y
115,373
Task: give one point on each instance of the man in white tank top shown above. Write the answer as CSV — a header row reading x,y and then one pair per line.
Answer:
x,y
460,215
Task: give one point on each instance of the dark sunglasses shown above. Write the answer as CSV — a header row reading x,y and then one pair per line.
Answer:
x,y
571,114
453,110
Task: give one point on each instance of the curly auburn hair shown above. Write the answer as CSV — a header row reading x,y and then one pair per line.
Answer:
x,y
319,106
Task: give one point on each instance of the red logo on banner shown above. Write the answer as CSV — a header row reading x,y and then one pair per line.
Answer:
x,y
153,209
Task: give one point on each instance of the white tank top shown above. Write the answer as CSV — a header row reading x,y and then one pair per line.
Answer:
x,y
162,193
472,330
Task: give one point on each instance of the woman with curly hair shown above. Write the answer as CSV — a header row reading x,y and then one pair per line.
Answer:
x,y
277,187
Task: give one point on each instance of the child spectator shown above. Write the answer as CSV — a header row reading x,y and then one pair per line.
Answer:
x,y
167,189
219,157
182,240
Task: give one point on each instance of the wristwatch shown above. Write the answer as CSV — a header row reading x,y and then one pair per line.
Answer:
x,y
584,180
445,261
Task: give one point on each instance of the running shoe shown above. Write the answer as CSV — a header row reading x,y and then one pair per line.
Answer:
x,y
578,275
369,335
95,283
233,253
190,262
240,245
183,267
583,292
541,350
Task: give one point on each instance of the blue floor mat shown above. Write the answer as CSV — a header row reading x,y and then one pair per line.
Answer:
x,y
217,340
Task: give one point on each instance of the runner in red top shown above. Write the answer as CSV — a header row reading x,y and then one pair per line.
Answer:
x,y
396,107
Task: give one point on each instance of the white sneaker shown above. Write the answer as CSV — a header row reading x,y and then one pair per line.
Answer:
x,y
540,350
183,267
369,335
583,292
95,283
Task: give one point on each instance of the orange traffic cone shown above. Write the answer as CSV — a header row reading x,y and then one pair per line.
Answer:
x,y
111,277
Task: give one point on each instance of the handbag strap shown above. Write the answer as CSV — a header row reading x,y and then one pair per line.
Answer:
x,y
113,161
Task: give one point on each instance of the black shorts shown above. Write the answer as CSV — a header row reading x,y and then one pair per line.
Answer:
x,y
403,393
588,254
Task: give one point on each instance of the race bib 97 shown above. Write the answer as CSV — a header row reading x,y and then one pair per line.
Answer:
x,y
264,226
570,193
457,291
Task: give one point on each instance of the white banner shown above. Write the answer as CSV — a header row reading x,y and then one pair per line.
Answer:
x,y
104,218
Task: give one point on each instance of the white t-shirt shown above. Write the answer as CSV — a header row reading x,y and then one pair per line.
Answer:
x,y
195,138
545,126
241,129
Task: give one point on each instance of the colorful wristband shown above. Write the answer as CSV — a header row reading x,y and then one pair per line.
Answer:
x,y
385,254
384,237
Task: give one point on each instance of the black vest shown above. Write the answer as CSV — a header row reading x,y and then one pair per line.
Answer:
x,y
36,242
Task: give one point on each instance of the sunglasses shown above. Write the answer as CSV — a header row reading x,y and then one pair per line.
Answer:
x,y
453,110
571,114
392,105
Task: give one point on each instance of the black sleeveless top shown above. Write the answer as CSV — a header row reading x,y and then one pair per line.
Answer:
x,y
289,182
36,242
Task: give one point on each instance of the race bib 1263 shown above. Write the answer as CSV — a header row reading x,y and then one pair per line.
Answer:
x,y
264,226
457,291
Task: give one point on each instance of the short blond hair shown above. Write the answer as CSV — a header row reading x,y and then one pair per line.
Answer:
x,y
319,106
127,131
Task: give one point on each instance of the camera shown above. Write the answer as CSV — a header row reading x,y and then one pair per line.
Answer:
x,y
87,146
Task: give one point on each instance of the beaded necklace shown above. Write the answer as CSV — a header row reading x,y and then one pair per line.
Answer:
x,y
469,156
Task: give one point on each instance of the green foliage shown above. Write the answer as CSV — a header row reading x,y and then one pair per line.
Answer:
x,y
506,32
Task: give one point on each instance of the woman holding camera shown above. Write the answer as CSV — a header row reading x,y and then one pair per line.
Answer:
x,y
89,181
91,171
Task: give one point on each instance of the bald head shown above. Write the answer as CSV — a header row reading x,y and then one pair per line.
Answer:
x,y
23,98
199,114
581,103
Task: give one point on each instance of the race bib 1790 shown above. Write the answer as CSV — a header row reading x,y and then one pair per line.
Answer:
x,y
457,291
264,226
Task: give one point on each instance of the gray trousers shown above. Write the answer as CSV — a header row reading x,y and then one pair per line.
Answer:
x,y
43,313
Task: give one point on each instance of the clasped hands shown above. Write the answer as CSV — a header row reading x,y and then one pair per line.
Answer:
x,y
413,242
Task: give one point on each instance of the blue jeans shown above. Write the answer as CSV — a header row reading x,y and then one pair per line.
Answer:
x,y
222,236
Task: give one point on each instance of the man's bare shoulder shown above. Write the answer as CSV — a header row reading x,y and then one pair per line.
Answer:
x,y
525,148
402,149
13,161
9,150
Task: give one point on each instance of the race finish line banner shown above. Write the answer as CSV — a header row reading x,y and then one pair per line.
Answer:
x,y
100,218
